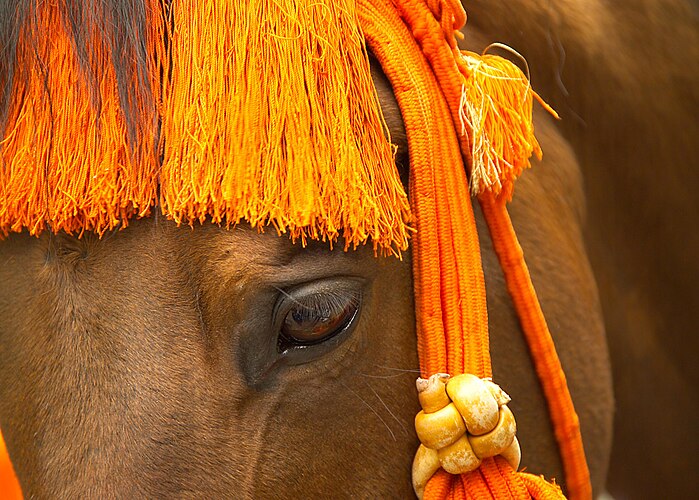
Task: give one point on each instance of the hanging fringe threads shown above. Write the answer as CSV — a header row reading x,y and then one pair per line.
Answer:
x,y
495,113
314,159
66,160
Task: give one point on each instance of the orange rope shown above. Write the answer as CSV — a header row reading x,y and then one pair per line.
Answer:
x,y
439,486
548,367
428,86
451,312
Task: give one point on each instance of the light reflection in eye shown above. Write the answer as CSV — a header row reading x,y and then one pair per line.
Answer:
x,y
318,317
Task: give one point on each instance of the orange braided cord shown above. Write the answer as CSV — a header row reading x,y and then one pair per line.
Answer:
x,y
293,74
452,321
548,367
448,276
539,488
439,486
386,35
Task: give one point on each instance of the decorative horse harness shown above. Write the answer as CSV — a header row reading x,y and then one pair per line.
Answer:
x,y
300,144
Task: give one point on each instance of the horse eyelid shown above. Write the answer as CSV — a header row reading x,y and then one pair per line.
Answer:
x,y
329,296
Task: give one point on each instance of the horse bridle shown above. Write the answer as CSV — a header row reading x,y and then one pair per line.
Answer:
x,y
468,119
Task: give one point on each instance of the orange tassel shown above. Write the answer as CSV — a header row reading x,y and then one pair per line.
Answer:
x,y
495,112
314,159
66,162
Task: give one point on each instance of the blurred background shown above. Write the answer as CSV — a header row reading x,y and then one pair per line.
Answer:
x,y
624,76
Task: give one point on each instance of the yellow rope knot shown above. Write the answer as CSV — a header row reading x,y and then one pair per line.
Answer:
x,y
464,419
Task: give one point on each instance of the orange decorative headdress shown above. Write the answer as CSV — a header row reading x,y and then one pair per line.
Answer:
x,y
225,134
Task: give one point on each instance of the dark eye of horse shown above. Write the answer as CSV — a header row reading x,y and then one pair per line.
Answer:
x,y
315,315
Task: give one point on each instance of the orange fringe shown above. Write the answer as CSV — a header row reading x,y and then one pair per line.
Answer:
x,y
295,76
315,160
65,163
496,99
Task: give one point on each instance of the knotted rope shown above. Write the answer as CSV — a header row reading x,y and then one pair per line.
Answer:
x,y
435,85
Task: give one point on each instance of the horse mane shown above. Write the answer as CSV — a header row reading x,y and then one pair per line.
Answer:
x,y
120,25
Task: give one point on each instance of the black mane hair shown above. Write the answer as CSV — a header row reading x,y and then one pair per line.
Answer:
x,y
119,24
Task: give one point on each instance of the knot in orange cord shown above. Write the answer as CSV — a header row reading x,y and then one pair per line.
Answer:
x,y
464,420
452,17
451,134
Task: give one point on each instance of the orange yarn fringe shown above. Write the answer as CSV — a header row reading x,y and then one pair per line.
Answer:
x,y
66,162
490,101
496,101
315,160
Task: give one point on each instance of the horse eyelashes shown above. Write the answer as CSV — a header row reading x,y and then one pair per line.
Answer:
x,y
319,317
317,313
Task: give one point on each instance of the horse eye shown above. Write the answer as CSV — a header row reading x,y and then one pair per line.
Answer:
x,y
317,317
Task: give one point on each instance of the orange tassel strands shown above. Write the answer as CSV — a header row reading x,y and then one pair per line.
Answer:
x,y
314,159
66,161
496,101
268,113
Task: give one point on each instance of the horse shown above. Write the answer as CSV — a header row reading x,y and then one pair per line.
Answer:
x,y
173,361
